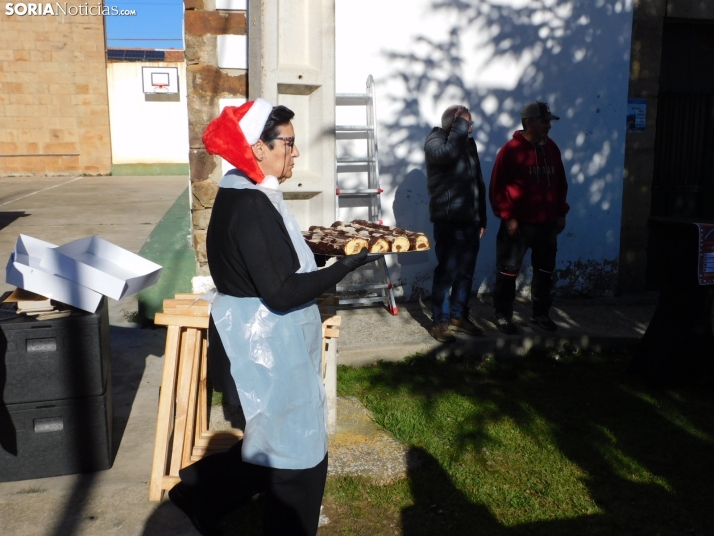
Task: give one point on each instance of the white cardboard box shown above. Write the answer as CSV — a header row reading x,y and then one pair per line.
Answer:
x,y
24,270
102,266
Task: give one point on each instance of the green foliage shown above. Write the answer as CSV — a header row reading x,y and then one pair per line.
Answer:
x,y
131,316
216,398
32,489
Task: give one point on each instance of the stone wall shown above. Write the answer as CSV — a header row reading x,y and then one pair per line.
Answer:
x,y
54,112
207,84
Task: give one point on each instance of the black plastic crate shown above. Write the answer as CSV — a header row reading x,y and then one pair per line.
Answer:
x,y
54,359
60,437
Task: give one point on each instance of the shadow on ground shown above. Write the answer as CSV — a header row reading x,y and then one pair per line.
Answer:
x,y
130,348
644,455
7,218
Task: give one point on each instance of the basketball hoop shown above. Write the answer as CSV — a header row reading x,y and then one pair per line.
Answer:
x,y
161,88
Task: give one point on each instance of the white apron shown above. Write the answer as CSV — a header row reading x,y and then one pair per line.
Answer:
x,y
276,361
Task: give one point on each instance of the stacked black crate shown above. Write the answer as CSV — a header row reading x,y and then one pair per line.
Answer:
x,y
55,396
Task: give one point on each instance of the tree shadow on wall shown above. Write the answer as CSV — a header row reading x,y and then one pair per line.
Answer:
x,y
411,211
546,50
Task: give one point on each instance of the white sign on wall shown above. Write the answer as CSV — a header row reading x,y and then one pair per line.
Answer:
x,y
160,79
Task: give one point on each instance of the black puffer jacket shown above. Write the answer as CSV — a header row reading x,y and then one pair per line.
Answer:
x,y
453,172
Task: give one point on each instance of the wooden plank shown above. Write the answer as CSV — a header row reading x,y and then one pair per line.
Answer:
x,y
330,333
165,414
331,320
187,311
169,303
202,452
187,296
226,437
188,436
195,322
202,411
169,482
213,433
182,394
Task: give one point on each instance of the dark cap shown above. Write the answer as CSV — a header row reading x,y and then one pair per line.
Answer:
x,y
537,109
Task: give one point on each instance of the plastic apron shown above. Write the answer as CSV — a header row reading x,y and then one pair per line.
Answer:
x,y
276,361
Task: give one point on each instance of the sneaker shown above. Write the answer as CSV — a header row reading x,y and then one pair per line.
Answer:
x,y
465,325
506,325
545,322
182,500
442,333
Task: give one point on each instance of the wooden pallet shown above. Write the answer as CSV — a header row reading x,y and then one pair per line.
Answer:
x,y
182,427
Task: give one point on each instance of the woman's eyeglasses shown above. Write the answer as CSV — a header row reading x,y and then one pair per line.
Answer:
x,y
289,140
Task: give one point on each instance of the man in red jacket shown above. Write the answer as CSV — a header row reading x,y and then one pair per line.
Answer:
x,y
528,190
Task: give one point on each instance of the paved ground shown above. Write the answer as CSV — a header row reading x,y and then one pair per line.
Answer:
x,y
591,323
125,210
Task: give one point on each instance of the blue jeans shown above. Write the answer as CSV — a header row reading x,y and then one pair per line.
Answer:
x,y
456,248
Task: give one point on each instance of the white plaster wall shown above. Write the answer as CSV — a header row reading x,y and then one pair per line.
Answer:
x,y
146,132
496,56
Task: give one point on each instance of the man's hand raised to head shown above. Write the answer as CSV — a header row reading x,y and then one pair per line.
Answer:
x,y
463,112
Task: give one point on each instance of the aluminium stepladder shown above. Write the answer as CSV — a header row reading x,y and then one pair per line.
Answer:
x,y
363,165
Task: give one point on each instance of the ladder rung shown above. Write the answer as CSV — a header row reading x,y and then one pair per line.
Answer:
x,y
353,128
355,160
353,135
358,191
353,168
361,300
352,99
371,286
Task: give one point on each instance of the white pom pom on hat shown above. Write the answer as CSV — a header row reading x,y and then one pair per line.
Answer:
x,y
254,119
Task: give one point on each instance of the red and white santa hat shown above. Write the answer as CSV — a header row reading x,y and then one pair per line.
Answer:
x,y
231,135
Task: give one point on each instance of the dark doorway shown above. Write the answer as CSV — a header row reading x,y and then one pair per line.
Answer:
x,y
683,181
683,184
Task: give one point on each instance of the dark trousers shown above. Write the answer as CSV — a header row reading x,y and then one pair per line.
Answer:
x,y
221,482
456,247
542,240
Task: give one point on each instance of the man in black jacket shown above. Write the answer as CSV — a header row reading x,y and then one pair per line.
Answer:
x,y
457,207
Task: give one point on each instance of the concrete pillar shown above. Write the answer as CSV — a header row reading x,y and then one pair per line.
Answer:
x,y
291,46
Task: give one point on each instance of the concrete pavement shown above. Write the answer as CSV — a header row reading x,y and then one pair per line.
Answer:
x,y
125,211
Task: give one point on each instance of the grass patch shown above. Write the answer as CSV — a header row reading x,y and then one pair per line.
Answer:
x,y
216,398
32,489
555,443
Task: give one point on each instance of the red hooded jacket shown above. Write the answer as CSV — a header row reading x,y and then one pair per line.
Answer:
x,y
528,182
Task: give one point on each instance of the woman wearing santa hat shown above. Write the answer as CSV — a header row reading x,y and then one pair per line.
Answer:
x,y
269,327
